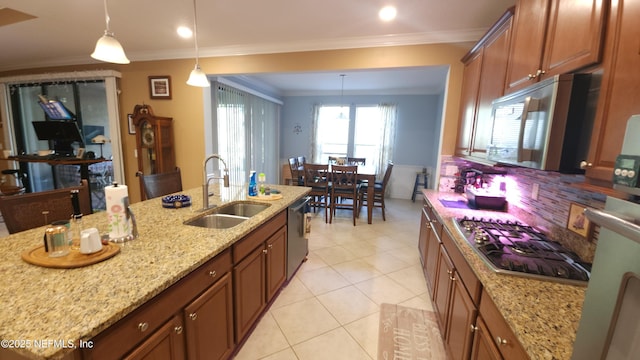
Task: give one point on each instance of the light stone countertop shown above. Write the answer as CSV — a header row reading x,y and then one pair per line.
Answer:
x,y
543,315
69,305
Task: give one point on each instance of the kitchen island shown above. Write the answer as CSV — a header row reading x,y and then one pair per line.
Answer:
x,y
50,313
543,315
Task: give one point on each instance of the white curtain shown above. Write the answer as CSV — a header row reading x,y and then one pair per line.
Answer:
x,y
247,133
316,150
387,137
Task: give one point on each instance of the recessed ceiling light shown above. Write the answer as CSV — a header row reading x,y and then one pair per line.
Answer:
x,y
185,32
388,13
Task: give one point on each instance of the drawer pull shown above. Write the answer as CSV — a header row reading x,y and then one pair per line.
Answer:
x,y
178,329
193,316
264,251
428,225
474,328
212,273
270,246
143,326
501,341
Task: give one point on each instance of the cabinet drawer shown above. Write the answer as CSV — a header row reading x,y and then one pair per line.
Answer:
x,y
500,331
121,337
245,246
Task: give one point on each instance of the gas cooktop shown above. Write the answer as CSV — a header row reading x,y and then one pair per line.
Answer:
x,y
518,249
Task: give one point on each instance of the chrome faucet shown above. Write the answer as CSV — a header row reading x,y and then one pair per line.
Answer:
x,y
205,179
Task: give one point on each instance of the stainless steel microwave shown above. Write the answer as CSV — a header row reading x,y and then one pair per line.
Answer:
x,y
540,126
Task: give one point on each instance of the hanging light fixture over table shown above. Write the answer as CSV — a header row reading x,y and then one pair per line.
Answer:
x,y
342,115
108,48
197,76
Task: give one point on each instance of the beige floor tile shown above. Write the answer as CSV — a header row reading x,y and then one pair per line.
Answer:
x,y
407,254
294,291
348,304
323,280
422,301
313,262
357,270
335,254
336,344
304,320
265,340
386,263
383,289
361,247
365,331
411,278
286,354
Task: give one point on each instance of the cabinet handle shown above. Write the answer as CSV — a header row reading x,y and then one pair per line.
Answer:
x,y
428,225
264,251
178,329
212,273
532,76
585,165
193,316
270,246
540,72
501,341
143,326
474,328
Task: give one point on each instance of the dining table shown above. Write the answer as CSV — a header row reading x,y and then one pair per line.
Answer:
x,y
368,173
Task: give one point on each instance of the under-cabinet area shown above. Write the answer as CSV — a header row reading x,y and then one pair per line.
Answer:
x,y
175,292
487,315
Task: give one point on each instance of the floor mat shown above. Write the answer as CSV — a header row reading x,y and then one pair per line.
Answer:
x,y
408,333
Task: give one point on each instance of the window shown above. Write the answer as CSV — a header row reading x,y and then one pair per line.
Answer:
x,y
369,134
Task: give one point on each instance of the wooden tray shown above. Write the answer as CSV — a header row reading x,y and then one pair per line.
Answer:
x,y
75,259
266,197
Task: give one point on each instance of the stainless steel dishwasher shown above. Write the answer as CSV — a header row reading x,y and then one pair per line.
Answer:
x,y
297,243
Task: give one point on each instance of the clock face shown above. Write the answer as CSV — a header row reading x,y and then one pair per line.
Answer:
x,y
147,135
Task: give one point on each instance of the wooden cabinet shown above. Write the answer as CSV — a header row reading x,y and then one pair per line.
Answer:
x,y
499,332
483,346
553,37
618,93
429,244
209,322
259,272
154,142
483,81
166,343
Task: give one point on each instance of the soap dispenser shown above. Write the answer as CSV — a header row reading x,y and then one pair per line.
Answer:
x,y
253,191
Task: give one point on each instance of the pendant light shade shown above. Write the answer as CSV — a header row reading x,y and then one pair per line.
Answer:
x,y
108,48
197,76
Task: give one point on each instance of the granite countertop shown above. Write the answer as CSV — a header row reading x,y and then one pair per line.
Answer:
x,y
543,315
68,305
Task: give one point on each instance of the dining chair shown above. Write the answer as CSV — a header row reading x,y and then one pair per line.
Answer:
x,y
26,211
379,190
296,172
344,185
156,185
316,176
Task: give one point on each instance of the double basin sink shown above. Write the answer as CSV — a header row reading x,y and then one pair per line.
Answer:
x,y
228,215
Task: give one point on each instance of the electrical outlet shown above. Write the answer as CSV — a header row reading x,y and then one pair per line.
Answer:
x,y
534,191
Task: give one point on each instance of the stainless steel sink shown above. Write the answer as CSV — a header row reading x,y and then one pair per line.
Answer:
x,y
227,216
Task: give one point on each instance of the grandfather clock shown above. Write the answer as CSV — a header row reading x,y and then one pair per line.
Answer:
x,y
154,141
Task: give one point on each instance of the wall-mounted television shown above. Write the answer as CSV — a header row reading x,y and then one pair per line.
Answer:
x,y
62,133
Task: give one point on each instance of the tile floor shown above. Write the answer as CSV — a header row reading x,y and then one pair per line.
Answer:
x,y
330,308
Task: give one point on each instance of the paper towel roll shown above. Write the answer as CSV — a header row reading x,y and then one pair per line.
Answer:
x,y
116,212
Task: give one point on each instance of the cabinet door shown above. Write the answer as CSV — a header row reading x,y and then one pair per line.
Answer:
x,y
249,290
468,103
462,316
492,83
564,51
619,91
209,322
276,262
527,43
443,289
423,237
431,265
483,346
166,343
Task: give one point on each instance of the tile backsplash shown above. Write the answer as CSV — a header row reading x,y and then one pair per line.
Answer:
x,y
550,211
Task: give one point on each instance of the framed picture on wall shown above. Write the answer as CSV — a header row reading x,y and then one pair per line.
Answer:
x,y
160,87
578,222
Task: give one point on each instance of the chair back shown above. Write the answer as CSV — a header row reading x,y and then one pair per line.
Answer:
x,y
301,161
316,175
387,175
24,211
356,161
344,178
155,185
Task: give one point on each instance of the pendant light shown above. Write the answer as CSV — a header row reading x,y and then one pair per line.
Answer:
x,y
197,76
108,48
342,115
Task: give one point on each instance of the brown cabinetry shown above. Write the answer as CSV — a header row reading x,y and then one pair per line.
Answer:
x,y
553,37
618,92
166,343
483,81
429,244
259,272
483,346
499,332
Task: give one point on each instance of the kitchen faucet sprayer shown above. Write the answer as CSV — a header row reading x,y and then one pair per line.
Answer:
x,y
205,179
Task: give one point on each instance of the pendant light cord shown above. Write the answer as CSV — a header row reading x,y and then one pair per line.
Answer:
x,y
195,29
106,17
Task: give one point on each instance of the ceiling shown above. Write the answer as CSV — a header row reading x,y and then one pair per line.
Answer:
x,y
38,33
